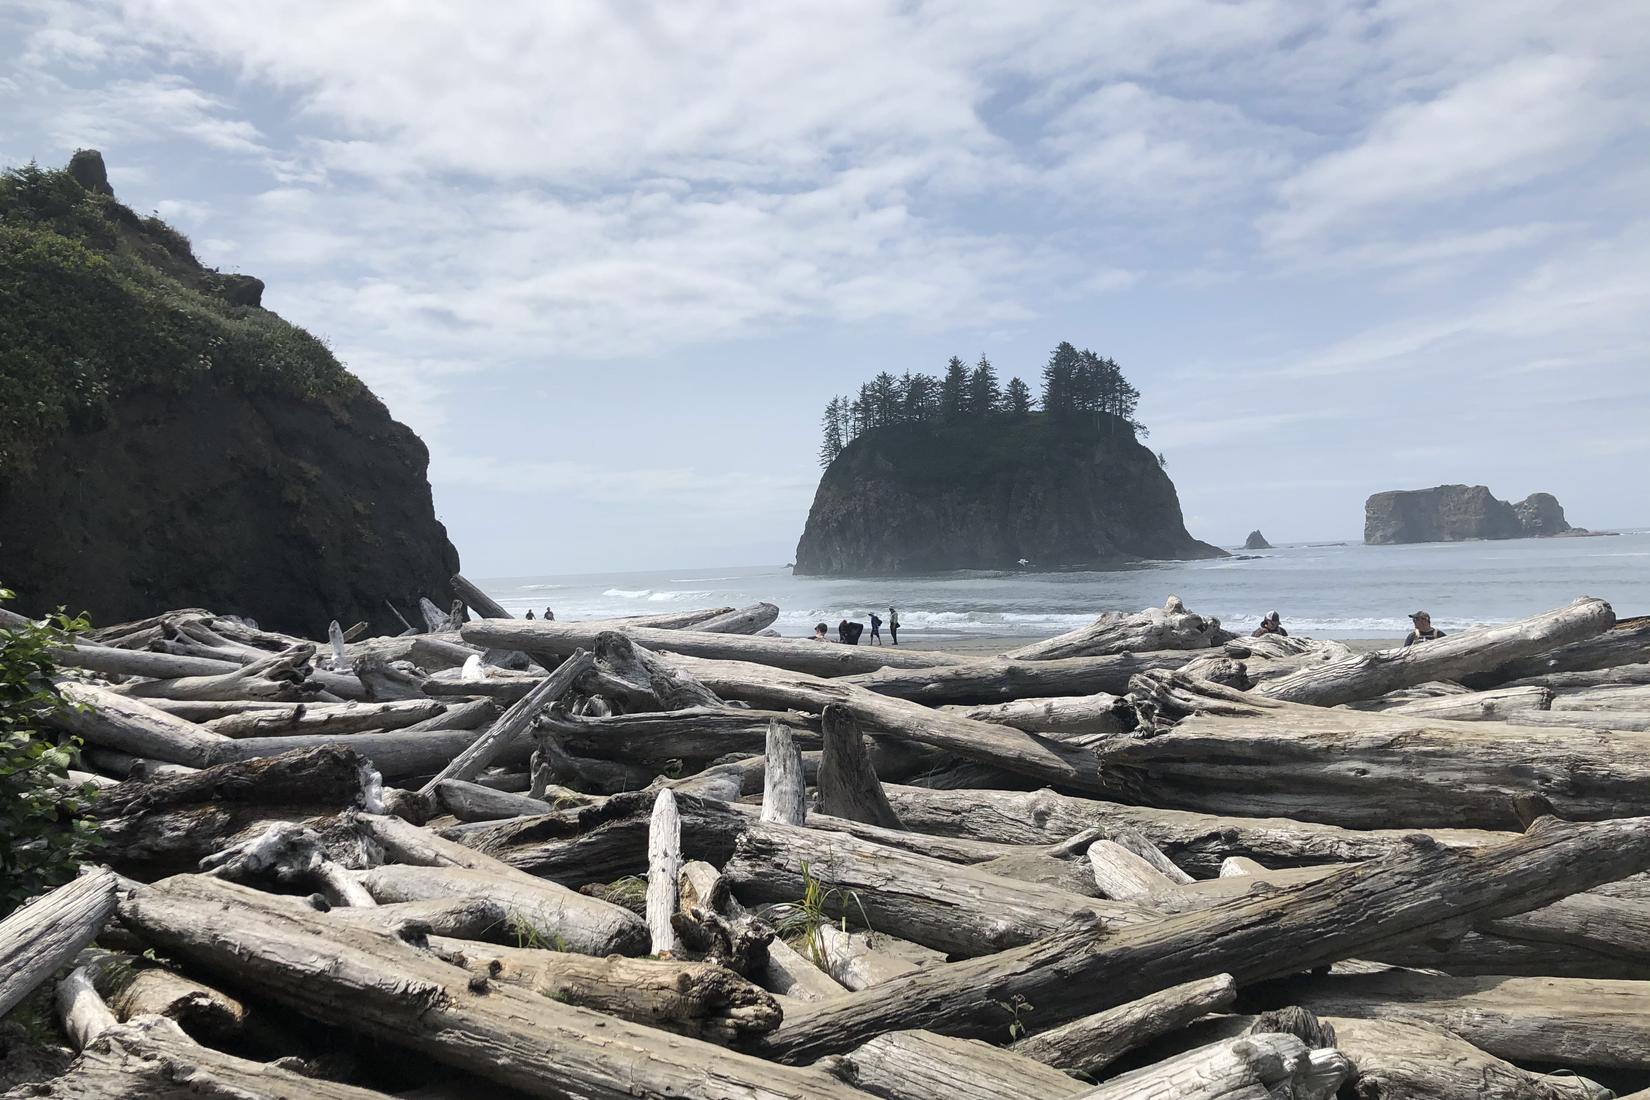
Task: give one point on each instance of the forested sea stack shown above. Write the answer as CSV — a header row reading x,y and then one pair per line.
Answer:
x,y
166,442
925,475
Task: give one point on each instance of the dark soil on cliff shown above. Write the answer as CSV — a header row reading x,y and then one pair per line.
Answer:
x,y
1062,493
166,442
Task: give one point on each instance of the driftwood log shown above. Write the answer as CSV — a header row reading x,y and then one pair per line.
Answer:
x,y
378,986
919,1065
794,654
1366,675
1168,627
1572,1022
49,932
1091,1043
1240,753
1385,901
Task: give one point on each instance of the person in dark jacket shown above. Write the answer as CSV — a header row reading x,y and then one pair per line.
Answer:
x,y
893,626
876,629
1424,630
821,632
1272,624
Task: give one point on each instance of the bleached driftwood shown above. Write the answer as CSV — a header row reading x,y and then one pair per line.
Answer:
x,y
378,986
1168,627
784,789
1497,705
1395,1059
919,1065
546,909
1197,842
283,676
692,998
694,735
747,620
473,802
105,718
631,675
1365,675
1365,770
848,784
512,725
1100,714
1407,895
1554,1021
1626,643
50,931
999,679
1244,1068
945,906
1622,697
312,718
796,654
1091,1043
860,960
664,865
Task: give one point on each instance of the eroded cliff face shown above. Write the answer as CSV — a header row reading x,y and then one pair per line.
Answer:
x,y
1454,513
185,447
985,495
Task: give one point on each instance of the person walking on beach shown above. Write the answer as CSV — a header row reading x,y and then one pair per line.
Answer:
x,y
529,612
893,626
876,629
1424,630
1272,624
549,616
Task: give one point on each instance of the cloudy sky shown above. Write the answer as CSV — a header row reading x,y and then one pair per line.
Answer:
x,y
610,258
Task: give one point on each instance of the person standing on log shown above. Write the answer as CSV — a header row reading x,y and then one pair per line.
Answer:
x,y
1272,624
893,626
1424,630
876,629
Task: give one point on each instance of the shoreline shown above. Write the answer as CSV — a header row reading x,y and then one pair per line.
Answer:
x,y
990,645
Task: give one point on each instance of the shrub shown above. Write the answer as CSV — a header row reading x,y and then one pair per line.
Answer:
x,y
43,833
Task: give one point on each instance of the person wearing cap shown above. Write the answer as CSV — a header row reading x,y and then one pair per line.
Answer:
x,y
1272,624
1424,630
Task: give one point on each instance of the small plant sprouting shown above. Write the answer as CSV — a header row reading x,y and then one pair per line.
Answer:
x,y
802,919
530,934
1016,1007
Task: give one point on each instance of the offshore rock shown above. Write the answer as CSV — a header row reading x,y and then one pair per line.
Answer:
x,y
1256,541
1455,513
1032,492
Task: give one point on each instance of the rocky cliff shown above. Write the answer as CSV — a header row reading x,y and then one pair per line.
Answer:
x,y
1058,494
1452,513
173,444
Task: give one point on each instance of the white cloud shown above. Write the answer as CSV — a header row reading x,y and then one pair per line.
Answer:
x,y
1523,119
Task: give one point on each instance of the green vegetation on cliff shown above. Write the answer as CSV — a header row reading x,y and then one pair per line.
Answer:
x,y
97,303
1076,384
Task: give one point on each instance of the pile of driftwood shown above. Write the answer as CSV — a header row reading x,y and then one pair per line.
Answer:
x,y
675,857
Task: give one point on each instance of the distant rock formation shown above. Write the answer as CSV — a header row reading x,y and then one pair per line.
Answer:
x,y
174,445
1256,541
1029,491
1454,513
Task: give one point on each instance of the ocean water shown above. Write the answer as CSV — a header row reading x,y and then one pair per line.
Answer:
x,y
1333,590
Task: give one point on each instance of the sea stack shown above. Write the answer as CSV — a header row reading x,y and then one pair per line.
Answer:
x,y
1256,541
1031,491
1456,513
184,446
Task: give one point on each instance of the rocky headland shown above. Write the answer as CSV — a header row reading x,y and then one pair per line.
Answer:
x,y
167,442
1457,513
1034,491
